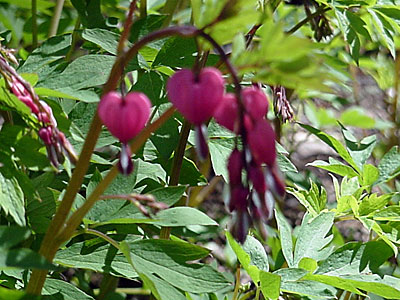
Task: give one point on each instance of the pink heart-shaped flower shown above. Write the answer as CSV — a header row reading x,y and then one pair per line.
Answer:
x,y
255,102
125,116
261,139
196,98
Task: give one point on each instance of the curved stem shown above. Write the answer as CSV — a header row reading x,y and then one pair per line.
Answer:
x,y
318,12
127,27
75,37
34,24
55,20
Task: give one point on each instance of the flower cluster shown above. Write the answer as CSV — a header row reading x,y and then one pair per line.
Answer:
x,y
56,143
201,96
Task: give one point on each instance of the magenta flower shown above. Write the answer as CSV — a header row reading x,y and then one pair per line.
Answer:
x,y
261,141
255,102
19,90
196,97
125,116
227,112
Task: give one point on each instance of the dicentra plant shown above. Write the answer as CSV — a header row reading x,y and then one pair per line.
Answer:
x,y
192,94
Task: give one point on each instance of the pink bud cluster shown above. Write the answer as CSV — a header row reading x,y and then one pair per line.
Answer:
x,y
56,143
198,97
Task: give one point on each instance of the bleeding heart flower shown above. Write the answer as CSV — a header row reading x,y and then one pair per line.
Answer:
x,y
196,97
235,166
255,102
227,112
125,116
261,141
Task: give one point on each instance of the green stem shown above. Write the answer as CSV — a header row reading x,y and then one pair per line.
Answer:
x,y
179,154
103,236
75,37
257,293
237,283
108,284
143,9
55,20
52,238
168,10
318,12
34,24
129,291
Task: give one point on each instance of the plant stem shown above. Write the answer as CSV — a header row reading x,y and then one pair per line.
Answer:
x,y
103,236
237,283
143,9
318,12
127,27
55,20
75,37
108,284
168,10
257,293
34,24
129,291
179,153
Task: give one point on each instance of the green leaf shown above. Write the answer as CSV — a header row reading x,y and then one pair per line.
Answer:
x,y
105,39
183,216
89,13
292,281
168,260
354,283
12,235
12,199
308,264
270,285
8,294
357,117
333,143
85,71
24,258
384,29
312,238
151,83
95,255
391,213
251,256
313,200
285,236
176,52
220,150
334,166
373,203
62,290
360,151
356,258
389,166
370,175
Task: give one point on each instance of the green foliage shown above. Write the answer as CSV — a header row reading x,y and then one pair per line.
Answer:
x,y
271,43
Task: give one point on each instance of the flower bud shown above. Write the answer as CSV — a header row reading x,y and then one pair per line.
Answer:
x,y
255,102
261,140
125,116
227,112
235,166
196,97
45,134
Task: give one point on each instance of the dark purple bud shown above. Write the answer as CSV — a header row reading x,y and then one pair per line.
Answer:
x,y
235,166
257,177
125,164
241,225
238,200
201,141
45,134
275,181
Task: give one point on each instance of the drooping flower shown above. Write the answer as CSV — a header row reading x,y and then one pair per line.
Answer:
x,y
196,97
124,117
255,102
261,141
